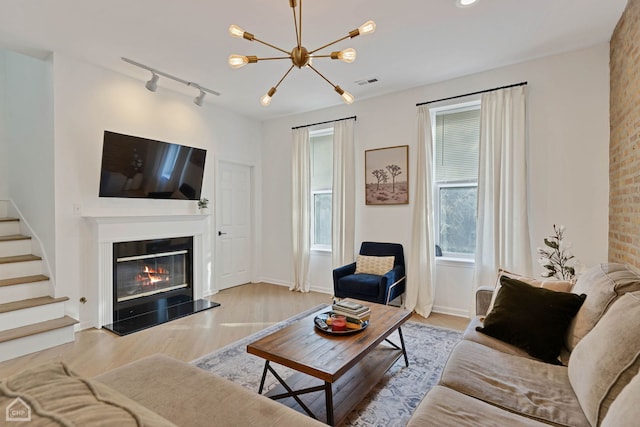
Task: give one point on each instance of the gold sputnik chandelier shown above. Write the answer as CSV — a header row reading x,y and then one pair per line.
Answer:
x,y
299,55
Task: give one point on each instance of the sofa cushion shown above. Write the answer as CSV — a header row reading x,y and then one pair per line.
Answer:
x,y
625,411
378,265
552,284
189,396
444,407
471,333
534,319
607,358
56,396
535,389
603,284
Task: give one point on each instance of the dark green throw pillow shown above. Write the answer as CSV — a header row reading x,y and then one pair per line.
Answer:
x,y
533,319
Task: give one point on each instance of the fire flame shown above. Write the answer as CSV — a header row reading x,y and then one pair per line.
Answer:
x,y
150,276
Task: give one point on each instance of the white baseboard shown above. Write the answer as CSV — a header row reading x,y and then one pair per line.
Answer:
x,y
458,312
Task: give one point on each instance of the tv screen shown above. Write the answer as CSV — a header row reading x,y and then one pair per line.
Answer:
x,y
145,168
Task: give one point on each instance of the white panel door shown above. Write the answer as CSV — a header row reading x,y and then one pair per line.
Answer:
x,y
233,221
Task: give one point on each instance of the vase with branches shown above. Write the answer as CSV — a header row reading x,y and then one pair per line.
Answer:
x,y
555,257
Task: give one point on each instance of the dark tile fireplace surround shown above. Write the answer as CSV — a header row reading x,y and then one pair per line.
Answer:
x,y
153,283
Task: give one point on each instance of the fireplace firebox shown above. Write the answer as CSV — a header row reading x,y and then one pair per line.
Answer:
x,y
153,283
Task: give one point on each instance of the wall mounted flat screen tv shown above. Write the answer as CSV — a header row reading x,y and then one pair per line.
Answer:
x,y
148,169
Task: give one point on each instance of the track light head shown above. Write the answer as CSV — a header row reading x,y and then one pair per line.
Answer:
x,y
199,100
152,84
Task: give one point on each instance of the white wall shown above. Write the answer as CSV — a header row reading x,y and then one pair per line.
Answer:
x,y
89,100
568,114
4,163
28,103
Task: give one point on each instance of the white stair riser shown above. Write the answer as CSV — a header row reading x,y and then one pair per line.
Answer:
x,y
15,247
9,228
24,291
31,315
31,344
20,269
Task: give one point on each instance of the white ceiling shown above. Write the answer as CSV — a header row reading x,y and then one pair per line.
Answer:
x,y
417,42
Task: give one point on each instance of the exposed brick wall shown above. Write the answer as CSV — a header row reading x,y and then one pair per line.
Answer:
x,y
624,155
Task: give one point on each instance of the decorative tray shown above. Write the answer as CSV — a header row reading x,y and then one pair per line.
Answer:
x,y
320,323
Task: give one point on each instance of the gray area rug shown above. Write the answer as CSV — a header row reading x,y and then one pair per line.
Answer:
x,y
390,403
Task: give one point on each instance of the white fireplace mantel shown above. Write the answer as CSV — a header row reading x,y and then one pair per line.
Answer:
x,y
124,228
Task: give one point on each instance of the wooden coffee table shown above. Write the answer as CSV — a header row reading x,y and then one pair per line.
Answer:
x,y
349,366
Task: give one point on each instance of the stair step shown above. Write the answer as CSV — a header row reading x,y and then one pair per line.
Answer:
x,y
30,303
40,336
19,258
9,226
14,245
23,280
14,237
36,328
26,287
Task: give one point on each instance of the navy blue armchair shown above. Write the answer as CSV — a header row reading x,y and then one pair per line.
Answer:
x,y
371,287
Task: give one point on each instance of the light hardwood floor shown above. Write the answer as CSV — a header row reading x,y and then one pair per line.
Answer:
x,y
244,310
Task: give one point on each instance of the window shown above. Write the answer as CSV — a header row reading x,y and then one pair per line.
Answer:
x,y
456,144
321,142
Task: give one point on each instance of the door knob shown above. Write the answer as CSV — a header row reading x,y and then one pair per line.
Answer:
x,y
220,233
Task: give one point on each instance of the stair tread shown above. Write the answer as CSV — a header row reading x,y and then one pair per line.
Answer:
x,y
6,219
19,258
23,280
29,303
14,237
36,328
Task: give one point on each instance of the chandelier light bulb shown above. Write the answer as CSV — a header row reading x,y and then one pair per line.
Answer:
x,y
465,3
266,98
235,31
367,28
238,61
347,55
347,97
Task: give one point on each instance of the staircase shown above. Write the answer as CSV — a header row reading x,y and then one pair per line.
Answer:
x,y
30,319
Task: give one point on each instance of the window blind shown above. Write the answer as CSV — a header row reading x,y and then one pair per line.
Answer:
x,y
457,140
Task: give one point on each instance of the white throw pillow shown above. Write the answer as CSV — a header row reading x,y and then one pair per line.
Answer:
x,y
378,265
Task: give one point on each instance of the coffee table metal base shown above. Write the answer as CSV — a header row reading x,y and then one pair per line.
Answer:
x,y
363,377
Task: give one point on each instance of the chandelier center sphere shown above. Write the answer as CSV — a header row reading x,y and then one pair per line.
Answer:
x,y
300,56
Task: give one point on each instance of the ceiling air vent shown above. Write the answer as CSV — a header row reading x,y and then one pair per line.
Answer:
x,y
366,81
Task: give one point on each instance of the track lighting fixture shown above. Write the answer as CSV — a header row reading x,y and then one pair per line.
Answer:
x,y
199,100
152,84
299,56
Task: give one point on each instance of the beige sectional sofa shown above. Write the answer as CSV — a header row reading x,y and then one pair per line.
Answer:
x,y
155,391
487,382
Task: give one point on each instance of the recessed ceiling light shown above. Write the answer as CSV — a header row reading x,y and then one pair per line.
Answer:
x,y
465,3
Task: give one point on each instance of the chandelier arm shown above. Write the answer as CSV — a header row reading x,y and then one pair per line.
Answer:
x,y
271,46
329,44
321,75
300,19
283,77
274,57
295,23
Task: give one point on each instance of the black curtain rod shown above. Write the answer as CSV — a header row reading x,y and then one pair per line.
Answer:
x,y
323,123
472,93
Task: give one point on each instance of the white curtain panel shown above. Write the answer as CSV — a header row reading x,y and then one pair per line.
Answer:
x,y
503,227
301,209
343,206
421,260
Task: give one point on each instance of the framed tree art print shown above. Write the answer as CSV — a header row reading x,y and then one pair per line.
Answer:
x,y
387,176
